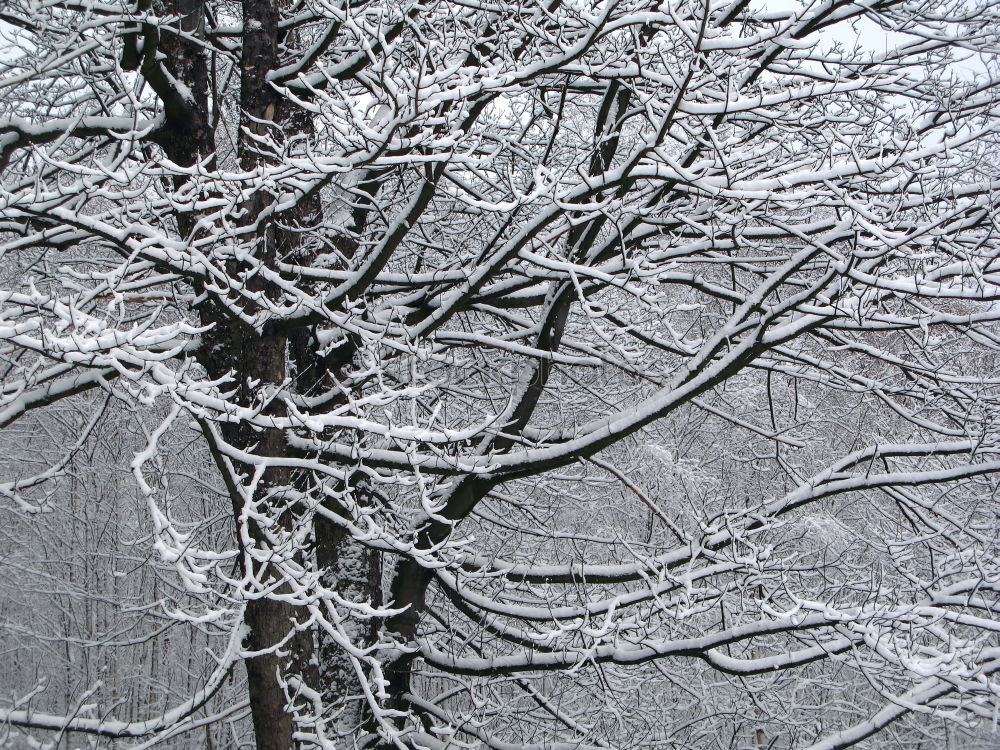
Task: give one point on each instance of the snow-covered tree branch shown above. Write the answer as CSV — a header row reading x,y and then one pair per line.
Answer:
x,y
461,374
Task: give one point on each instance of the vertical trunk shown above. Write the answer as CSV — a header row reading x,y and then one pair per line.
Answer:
x,y
233,347
355,572
261,359
260,356
348,567
351,569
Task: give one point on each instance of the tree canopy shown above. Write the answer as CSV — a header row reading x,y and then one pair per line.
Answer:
x,y
563,374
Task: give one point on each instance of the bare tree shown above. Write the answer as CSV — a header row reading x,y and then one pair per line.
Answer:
x,y
581,374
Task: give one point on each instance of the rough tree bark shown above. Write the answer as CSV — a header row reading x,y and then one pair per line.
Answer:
x,y
268,358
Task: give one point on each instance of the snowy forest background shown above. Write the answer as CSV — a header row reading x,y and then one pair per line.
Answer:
x,y
552,375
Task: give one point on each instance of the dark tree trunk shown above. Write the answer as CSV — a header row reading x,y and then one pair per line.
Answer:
x,y
230,346
263,357
356,573
348,567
